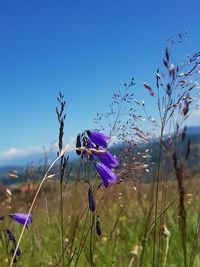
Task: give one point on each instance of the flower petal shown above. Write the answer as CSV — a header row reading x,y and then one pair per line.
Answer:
x,y
108,159
21,218
98,138
107,175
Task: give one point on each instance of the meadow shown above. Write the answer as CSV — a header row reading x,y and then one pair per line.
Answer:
x,y
122,209
134,205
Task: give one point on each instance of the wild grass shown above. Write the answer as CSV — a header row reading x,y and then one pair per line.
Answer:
x,y
122,215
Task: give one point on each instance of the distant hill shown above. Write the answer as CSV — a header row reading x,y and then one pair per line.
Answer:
x,y
193,130
20,164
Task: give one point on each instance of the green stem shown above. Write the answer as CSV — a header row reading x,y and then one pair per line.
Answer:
x,y
166,251
62,169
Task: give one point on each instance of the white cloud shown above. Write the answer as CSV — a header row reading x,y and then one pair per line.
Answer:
x,y
194,118
196,112
13,152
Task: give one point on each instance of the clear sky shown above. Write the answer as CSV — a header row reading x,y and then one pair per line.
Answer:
x,y
86,49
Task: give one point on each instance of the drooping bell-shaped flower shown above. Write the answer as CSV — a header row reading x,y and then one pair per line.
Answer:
x,y
21,218
98,138
106,174
91,200
108,159
13,240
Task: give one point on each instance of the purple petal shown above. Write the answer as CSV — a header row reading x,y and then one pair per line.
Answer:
x,y
108,159
12,238
21,218
98,138
107,175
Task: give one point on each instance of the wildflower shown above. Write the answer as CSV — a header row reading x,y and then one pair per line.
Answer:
x,y
91,200
94,146
98,138
107,175
21,218
12,238
108,159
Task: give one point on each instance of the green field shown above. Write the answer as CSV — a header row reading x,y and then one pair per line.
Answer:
x,y
122,209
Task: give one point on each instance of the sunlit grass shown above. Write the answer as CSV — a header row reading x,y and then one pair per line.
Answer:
x,y
122,210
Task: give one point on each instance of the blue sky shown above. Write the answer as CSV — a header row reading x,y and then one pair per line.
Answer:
x,y
87,50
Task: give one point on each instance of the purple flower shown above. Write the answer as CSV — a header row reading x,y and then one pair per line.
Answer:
x,y
107,175
21,218
91,200
108,159
98,138
12,238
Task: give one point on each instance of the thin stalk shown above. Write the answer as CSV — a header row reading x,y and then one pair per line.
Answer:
x,y
156,200
91,239
194,245
166,251
182,210
161,213
61,211
151,227
63,162
132,261
82,241
162,219
143,241
6,239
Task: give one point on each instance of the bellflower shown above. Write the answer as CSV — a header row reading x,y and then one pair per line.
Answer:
x,y
108,159
12,238
21,218
98,138
107,175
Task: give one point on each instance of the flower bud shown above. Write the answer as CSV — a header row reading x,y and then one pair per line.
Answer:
x,y
78,144
91,200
